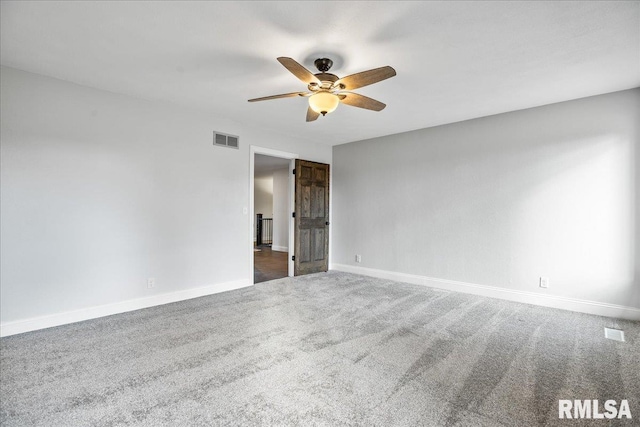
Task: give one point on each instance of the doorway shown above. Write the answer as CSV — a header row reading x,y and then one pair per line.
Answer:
x,y
302,222
271,202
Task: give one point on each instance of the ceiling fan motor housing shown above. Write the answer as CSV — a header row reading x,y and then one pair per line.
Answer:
x,y
326,81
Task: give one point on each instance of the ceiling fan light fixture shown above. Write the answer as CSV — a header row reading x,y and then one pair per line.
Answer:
x,y
323,102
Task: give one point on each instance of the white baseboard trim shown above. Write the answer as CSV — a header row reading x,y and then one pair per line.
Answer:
x,y
279,248
35,323
552,301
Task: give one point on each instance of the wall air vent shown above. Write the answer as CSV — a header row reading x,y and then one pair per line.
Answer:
x,y
225,140
614,334
232,141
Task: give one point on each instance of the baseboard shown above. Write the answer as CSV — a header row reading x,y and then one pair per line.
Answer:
x,y
279,248
572,304
33,324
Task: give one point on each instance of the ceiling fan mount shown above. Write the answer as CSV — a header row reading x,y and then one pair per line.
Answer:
x,y
327,91
323,64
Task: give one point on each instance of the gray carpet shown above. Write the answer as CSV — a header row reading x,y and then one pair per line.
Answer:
x,y
326,349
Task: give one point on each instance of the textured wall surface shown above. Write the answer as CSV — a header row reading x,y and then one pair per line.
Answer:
x,y
101,191
263,197
502,200
281,215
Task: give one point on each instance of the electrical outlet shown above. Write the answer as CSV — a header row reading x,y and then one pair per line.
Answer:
x,y
544,282
358,258
151,282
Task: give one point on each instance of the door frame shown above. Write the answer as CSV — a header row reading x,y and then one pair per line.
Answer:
x,y
253,150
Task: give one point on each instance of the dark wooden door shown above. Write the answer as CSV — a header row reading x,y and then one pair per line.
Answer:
x,y
311,217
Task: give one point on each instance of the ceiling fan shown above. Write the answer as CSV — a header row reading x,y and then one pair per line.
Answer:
x,y
326,90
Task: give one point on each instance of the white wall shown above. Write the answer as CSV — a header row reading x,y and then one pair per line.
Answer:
x,y
262,198
500,201
101,191
281,212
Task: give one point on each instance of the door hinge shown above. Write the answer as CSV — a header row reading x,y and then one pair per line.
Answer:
x,y
293,215
293,258
294,171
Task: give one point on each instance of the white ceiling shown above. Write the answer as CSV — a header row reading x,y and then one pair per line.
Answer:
x,y
266,165
455,60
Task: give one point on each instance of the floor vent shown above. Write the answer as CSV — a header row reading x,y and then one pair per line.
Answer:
x,y
614,334
225,140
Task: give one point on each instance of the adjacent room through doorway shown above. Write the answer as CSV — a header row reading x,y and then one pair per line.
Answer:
x,y
271,218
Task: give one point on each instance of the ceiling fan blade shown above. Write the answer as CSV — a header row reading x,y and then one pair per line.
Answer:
x,y
284,95
299,71
361,101
365,78
312,115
